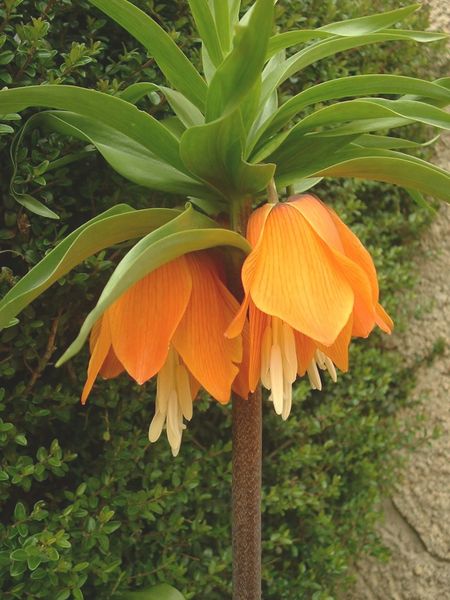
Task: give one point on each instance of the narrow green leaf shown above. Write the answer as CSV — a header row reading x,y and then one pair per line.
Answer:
x,y
29,202
328,47
367,110
214,154
222,19
423,37
189,232
173,63
378,165
398,169
266,111
309,157
420,201
187,112
357,85
287,39
370,24
133,93
110,110
126,156
206,27
387,142
241,69
115,225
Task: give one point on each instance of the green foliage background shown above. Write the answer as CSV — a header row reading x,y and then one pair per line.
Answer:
x,y
90,508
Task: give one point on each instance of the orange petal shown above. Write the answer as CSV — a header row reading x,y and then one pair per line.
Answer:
x,y
200,337
144,319
356,264
258,323
338,352
237,324
241,383
111,367
318,216
355,250
364,315
383,320
256,223
305,348
101,345
292,274
194,385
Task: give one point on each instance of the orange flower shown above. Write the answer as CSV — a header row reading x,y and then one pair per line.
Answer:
x,y
309,286
171,323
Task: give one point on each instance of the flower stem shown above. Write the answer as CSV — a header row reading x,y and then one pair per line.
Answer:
x,y
246,497
246,468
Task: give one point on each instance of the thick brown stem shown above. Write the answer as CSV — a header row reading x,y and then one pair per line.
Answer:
x,y
246,508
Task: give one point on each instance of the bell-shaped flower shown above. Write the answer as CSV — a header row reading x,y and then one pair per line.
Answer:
x,y
171,324
309,286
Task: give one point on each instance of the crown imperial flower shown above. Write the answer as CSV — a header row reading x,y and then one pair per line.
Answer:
x,y
309,286
171,323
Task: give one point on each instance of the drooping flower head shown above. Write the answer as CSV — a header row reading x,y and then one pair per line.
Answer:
x,y
171,323
309,286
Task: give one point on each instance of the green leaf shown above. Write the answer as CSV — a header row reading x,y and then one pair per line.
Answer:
x,y
380,165
134,92
187,112
158,592
357,85
310,157
127,157
173,63
287,39
370,24
368,111
420,201
387,142
189,232
115,225
214,153
241,69
328,47
110,110
222,19
350,27
206,27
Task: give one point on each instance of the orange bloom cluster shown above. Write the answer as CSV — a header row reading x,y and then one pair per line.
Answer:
x,y
309,283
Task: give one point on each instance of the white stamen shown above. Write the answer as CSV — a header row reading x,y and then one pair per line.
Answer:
x,y
174,430
266,347
184,392
276,378
326,364
289,353
156,426
173,400
314,377
331,368
279,364
287,400
320,359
